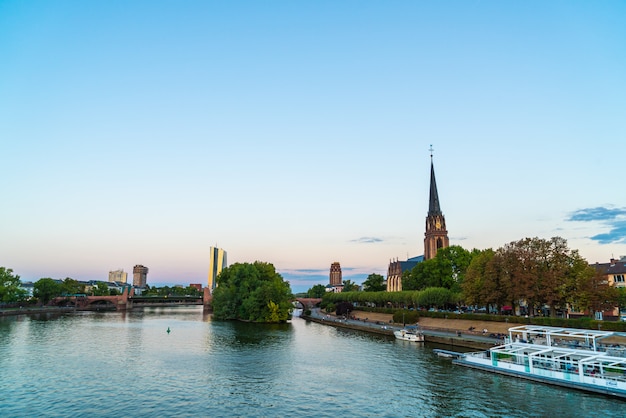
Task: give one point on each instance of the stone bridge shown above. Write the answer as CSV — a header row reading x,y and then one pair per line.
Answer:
x,y
308,303
128,300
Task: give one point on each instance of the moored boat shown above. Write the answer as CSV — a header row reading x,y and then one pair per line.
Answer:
x,y
589,360
409,333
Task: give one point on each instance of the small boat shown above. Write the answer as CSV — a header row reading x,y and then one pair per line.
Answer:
x,y
409,333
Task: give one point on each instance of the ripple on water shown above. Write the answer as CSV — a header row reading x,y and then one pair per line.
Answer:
x,y
127,365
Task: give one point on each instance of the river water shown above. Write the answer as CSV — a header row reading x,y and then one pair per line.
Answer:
x,y
127,365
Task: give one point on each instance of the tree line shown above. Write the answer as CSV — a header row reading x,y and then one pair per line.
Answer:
x,y
542,276
46,289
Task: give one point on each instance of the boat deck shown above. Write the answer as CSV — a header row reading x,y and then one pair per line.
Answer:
x,y
568,357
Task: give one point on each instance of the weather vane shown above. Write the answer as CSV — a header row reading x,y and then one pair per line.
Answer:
x,y
431,151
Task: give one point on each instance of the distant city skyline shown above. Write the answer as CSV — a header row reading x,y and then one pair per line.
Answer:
x,y
298,133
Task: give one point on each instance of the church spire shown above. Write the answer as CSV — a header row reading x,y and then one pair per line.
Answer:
x,y
436,235
433,205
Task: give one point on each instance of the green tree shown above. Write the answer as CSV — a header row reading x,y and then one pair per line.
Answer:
x,y
72,287
252,292
589,290
374,283
100,289
317,291
46,289
436,297
447,270
350,286
191,291
10,290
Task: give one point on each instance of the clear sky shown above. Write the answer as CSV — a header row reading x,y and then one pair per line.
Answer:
x,y
297,133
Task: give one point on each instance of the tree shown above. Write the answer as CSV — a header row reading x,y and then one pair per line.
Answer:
x,y
343,308
477,284
447,270
589,290
350,286
435,296
541,272
10,290
317,291
252,292
101,289
72,287
46,289
374,283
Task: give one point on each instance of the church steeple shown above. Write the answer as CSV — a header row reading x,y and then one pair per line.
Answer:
x,y
436,235
433,205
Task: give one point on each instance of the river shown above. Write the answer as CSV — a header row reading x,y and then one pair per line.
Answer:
x,y
112,364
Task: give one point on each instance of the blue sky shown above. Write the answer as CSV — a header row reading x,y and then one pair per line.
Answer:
x,y
297,133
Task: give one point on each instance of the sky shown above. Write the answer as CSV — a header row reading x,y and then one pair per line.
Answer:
x,y
298,133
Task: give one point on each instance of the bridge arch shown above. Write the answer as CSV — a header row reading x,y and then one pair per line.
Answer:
x,y
307,303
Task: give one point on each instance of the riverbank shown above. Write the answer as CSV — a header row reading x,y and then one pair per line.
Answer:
x,y
453,332
35,310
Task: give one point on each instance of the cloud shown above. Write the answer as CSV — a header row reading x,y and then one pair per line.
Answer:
x,y
596,214
613,218
305,272
617,234
367,240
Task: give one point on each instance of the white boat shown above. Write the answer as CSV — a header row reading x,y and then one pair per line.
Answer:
x,y
409,333
589,360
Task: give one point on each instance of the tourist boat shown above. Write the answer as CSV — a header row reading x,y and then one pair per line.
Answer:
x,y
409,333
588,360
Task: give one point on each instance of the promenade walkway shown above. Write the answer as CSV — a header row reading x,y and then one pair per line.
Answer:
x,y
475,339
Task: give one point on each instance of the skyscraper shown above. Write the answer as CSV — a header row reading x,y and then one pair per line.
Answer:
x,y
118,276
140,276
217,263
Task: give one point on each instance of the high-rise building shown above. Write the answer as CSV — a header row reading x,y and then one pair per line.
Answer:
x,y
335,274
140,276
436,235
118,276
217,263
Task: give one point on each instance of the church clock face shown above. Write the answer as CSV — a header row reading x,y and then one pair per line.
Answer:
x,y
438,224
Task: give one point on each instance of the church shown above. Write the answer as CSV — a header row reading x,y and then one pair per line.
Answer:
x,y
435,237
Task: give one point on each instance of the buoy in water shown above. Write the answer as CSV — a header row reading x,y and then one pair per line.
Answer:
x,y
168,330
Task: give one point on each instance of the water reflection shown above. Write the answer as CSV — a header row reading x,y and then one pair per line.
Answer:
x,y
77,364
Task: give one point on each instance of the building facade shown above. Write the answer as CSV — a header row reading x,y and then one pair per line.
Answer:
x,y
615,273
118,276
335,274
396,269
217,263
140,276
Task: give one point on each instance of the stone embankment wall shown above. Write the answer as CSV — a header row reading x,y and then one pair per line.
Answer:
x,y
450,333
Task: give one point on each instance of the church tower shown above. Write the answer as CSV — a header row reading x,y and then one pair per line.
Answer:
x,y
436,235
